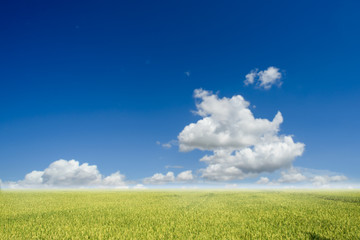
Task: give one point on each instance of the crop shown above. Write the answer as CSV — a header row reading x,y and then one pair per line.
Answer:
x,y
179,214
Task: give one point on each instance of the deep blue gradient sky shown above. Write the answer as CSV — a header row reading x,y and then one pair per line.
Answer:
x,y
102,81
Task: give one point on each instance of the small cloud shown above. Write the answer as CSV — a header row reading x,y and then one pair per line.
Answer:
x,y
325,180
319,178
115,179
264,79
168,145
185,176
33,178
159,178
250,77
139,186
263,180
187,73
292,176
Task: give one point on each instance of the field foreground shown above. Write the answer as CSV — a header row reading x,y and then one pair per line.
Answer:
x,y
179,215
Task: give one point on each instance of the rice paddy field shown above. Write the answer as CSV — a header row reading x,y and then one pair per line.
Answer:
x,y
179,215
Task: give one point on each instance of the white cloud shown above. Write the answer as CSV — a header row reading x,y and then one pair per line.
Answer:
x,y
139,186
292,176
68,173
318,178
63,173
33,178
250,77
185,176
269,77
263,180
115,179
265,156
242,145
187,73
264,79
227,123
168,144
324,180
159,178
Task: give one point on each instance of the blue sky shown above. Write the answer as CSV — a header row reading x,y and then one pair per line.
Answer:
x,y
104,82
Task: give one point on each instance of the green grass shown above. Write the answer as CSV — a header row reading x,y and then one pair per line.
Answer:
x,y
179,215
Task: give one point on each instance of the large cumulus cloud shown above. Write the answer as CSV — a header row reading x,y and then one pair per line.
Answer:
x,y
241,144
226,123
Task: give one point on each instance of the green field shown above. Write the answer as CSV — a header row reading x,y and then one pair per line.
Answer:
x,y
179,215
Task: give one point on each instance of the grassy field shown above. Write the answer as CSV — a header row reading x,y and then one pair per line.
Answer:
x,y
179,215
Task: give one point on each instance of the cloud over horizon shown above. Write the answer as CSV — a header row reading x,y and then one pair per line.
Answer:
x,y
305,176
241,145
68,174
159,178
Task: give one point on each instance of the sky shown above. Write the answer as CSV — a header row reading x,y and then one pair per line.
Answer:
x,y
179,93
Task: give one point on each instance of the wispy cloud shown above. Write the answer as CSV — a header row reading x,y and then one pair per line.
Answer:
x,y
305,177
169,144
